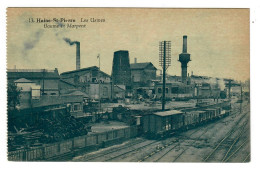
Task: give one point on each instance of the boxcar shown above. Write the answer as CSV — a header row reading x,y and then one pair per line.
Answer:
x,y
159,124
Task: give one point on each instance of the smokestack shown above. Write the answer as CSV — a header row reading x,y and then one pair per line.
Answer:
x,y
135,60
184,49
77,55
77,51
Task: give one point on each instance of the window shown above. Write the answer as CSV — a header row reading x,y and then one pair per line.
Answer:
x,y
166,90
105,91
76,107
159,90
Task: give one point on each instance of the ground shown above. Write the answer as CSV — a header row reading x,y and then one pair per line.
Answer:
x,y
223,140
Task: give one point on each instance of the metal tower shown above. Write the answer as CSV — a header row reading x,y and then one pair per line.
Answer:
x,y
184,58
165,62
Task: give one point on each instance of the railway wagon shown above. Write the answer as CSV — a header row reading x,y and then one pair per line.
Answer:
x,y
191,119
211,113
160,124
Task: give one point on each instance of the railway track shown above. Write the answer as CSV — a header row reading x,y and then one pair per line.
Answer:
x,y
227,140
101,154
174,146
130,151
170,145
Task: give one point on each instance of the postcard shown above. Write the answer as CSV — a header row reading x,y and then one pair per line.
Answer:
x,y
128,84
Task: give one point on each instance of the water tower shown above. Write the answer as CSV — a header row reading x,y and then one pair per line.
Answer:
x,y
184,58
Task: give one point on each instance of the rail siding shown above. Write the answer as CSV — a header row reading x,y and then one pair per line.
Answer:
x,y
57,149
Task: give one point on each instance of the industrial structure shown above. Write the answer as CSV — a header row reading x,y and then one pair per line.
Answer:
x,y
184,58
121,72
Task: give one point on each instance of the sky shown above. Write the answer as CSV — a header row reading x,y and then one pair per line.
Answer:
x,y
218,39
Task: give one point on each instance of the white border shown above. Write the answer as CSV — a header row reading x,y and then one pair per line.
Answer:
x,y
254,31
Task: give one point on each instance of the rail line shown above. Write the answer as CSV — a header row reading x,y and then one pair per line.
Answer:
x,y
171,143
246,157
101,154
234,142
236,110
226,160
114,157
165,146
227,136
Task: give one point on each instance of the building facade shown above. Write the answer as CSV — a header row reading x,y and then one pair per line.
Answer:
x,y
46,80
142,74
90,80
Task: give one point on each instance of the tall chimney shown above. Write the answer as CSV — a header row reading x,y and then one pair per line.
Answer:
x,y
135,60
184,49
184,58
77,55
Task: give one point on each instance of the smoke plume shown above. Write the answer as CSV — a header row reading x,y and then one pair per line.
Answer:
x,y
69,41
32,42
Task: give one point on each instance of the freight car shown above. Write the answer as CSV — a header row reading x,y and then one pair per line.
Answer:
x,y
161,123
165,123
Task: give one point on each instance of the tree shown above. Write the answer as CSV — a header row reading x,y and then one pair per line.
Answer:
x,y
13,96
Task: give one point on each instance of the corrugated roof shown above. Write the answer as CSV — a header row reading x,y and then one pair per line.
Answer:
x,y
140,65
32,74
82,69
85,69
168,113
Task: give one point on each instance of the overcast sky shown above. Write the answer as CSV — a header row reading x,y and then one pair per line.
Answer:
x,y
218,39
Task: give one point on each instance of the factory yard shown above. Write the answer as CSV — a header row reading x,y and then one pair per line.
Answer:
x,y
224,140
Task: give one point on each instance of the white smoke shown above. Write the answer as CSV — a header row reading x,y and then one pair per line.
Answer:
x,y
219,82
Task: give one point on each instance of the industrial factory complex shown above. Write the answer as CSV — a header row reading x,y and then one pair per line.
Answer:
x,y
60,116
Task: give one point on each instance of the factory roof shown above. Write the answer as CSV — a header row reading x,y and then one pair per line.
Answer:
x,y
85,69
168,113
67,82
141,65
23,80
32,74
78,93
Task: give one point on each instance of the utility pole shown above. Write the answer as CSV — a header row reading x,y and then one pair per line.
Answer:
x,y
99,103
43,75
241,96
164,69
165,62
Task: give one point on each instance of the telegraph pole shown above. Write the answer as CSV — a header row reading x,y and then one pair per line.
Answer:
x,y
99,103
165,62
241,97
164,69
43,72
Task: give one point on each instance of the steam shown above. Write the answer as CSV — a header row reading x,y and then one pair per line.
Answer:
x,y
219,82
70,42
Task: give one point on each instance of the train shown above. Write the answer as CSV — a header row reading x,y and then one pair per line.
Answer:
x,y
161,124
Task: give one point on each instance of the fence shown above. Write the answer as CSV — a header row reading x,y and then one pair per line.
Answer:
x,y
58,149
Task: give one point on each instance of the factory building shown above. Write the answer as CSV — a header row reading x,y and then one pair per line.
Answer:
x,y
174,90
142,74
45,81
90,80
